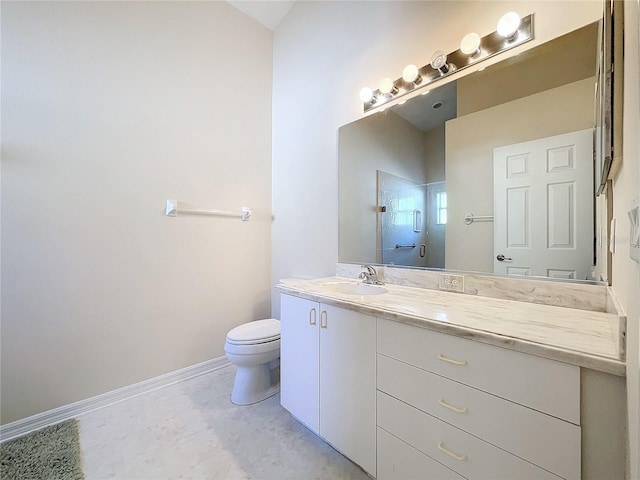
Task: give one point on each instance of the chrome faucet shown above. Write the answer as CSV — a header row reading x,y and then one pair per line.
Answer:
x,y
370,276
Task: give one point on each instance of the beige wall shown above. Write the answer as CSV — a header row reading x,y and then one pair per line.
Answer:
x,y
108,109
547,67
434,155
384,142
626,187
470,141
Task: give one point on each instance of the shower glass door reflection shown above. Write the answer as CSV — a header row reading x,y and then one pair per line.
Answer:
x,y
410,228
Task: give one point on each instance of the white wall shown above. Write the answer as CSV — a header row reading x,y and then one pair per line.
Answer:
x,y
108,109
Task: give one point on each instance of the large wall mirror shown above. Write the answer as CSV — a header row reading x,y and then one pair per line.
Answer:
x,y
493,172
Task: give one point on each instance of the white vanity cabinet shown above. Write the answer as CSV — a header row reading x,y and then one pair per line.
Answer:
x,y
478,410
328,375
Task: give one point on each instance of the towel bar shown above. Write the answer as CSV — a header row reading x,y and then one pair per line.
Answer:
x,y
174,208
413,245
470,218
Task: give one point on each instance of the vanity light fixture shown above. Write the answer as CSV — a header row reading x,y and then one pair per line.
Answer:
x,y
439,62
508,26
470,44
410,74
512,31
387,87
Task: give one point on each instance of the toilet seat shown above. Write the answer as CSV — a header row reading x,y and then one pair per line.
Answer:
x,y
252,348
252,333
253,342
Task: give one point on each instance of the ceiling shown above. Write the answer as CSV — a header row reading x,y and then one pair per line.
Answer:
x,y
423,111
267,12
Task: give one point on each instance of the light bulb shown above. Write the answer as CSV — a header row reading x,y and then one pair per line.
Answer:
x,y
366,95
508,25
470,44
410,74
387,87
439,62
438,59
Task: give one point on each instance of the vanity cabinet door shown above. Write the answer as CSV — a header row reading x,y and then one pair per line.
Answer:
x,y
328,375
348,383
299,392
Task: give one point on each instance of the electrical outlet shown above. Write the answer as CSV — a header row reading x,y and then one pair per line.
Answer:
x,y
453,283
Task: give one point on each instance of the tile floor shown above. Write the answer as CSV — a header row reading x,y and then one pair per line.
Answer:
x,y
192,430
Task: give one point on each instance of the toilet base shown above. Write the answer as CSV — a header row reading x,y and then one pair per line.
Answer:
x,y
255,383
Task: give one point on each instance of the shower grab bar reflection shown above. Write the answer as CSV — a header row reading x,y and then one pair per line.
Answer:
x,y
470,218
413,245
175,207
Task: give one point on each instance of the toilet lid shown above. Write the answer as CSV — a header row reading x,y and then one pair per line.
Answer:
x,y
258,332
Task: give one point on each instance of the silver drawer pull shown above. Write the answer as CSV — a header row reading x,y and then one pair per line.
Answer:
x,y
451,407
312,322
449,360
460,458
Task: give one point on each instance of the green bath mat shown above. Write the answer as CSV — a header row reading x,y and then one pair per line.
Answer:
x,y
52,453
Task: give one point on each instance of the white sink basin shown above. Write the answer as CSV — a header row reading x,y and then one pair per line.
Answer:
x,y
356,288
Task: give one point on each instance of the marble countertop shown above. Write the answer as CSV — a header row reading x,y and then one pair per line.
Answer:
x,y
580,337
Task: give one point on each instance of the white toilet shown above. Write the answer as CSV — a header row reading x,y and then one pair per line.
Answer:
x,y
254,348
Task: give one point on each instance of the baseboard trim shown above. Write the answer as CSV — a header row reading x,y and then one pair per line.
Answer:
x,y
74,410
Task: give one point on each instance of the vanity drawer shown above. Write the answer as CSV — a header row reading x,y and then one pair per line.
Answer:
x,y
542,384
546,441
463,453
398,460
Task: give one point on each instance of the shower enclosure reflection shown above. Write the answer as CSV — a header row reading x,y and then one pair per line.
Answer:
x,y
411,222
